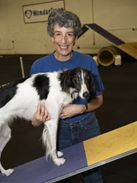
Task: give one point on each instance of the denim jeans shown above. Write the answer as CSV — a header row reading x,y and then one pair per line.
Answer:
x,y
73,133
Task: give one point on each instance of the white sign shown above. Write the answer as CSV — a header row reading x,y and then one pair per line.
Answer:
x,y
35,13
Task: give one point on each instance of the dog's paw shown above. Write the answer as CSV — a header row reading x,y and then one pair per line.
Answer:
x,y
7,172
59,161
59,153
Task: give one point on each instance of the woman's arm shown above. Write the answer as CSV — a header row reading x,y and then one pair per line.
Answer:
x,y
75,109
42,115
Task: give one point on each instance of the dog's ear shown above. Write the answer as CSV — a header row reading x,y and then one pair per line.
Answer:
x,y
68,77
65,78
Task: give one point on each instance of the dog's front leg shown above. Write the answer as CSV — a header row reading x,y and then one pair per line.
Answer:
x,y
50,141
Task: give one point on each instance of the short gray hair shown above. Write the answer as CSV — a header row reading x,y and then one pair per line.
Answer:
x,y
64,19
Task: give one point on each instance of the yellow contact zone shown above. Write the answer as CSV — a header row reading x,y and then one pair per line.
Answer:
x,y
111,144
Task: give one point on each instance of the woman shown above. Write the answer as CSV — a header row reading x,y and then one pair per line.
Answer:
x,y
77,121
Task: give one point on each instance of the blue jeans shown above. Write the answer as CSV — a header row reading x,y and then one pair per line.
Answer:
x,y
73,133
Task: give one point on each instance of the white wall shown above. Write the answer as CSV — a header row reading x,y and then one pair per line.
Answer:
x,y
116,16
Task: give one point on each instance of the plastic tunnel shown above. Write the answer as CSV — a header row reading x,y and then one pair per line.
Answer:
x,y
106,56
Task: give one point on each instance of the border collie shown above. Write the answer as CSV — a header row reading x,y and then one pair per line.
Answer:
x,y
55,89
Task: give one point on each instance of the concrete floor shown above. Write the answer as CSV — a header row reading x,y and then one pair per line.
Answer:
x,y
119,109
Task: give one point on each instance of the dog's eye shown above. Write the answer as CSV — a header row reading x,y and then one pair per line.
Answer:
x,y
76,78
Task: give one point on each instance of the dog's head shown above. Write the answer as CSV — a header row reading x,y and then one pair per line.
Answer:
x,y
77,81
82,80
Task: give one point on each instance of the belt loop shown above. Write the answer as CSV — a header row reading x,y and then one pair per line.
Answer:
x,y
80,124
73,125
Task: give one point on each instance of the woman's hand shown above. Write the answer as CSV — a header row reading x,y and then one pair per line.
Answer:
x,y
41,115
72,110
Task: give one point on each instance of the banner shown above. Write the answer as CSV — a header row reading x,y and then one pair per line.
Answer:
x,y
36,13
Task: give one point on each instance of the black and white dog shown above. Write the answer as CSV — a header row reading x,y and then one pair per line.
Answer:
x,y
55,89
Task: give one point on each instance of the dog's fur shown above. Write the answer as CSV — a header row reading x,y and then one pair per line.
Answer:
x,y
55,89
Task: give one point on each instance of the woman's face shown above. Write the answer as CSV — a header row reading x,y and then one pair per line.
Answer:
x,y
64,40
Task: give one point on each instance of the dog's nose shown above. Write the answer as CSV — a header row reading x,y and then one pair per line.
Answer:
x,y
86,95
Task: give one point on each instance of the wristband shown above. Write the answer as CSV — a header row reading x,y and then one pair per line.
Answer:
x,y
86,107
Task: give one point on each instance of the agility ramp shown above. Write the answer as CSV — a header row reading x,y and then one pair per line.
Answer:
x,y
128,48
81,157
